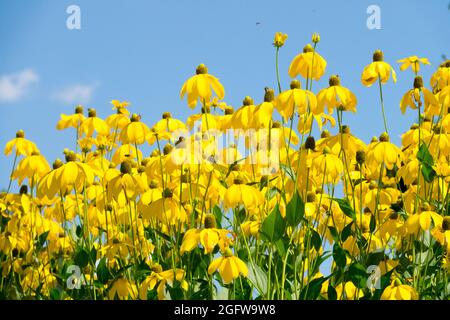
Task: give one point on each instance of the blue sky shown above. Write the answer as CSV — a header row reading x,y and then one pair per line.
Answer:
x,y
143,51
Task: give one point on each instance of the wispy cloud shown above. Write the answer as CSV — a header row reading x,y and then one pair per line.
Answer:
x,y
15,85
75,94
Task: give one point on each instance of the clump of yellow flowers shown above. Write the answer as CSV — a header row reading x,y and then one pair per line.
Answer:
x,y
244,202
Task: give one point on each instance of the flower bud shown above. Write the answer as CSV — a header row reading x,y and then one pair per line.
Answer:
x,y
315,38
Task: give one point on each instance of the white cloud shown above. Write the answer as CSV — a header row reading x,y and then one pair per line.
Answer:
x,y
14,86
75,94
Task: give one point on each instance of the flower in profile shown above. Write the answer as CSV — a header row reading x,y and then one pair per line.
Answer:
x,y
412,99
123,289
21,145
242,118
262,115
309,64
166,210
279,39
169,124
327,167
164,278
229,266
71,121
296,99
208,237
199,87
242,194
398,291
383,152
378,69
120,119
336,96
414,62
94,123
65,177
136,132
125,185
32,167
441,78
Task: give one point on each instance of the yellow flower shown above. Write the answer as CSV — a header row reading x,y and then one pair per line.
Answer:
x,y
93,123
422,220
71,121
169,124
279,39
296,99
123,289
65,177
120,106
242,118
413,99
242,194
135,132
164,278
166,210
125,186
383,152
378,69
413,62
22,145
336,96
327,167
262,115
33,167
229,266
251,228
441,78
199,87
398,291
348,291
303,64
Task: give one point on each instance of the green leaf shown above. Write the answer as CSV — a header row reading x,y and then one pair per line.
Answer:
x,y
346,208
346,232
79,231
273,226
281,245
312,290
295,210
426,159
316,240
339,256
428,173
358,275
103,273
218,215
93,255
334,233
81,258
375,257
55,294
41,239
424,156
332,294
258,278
373,223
